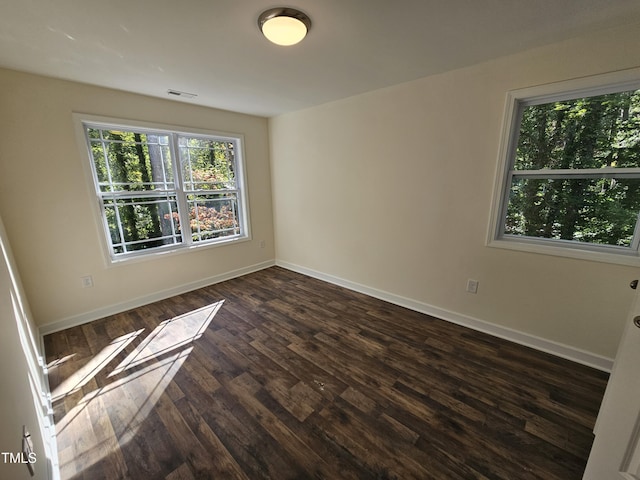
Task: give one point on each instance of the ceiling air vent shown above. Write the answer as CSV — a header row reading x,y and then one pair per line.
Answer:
x,y
178,93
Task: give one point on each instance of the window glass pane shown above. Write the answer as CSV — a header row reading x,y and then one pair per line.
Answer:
x,y
213,216
93,133
597,211
593,132
131,161
100,166
142,222
207,164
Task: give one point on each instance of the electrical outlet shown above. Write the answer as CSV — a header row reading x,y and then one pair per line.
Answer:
x,y
472,286
87,281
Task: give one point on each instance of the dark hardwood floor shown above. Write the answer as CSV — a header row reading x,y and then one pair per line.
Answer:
x,y
275,375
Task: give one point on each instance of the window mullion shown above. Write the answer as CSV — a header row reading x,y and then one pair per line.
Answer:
x,y
181,197
562,174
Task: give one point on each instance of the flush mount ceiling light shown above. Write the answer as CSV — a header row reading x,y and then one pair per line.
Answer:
x,y
284,26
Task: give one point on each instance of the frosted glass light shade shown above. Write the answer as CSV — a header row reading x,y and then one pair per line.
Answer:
x,y
284,26
284,30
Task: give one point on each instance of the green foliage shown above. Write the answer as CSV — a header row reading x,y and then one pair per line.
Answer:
x,y
207,164
131,161
586,133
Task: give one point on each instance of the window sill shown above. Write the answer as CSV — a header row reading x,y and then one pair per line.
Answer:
x,y
171,251
630,259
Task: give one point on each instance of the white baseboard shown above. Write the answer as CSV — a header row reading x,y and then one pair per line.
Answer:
x,y
147,299
538,343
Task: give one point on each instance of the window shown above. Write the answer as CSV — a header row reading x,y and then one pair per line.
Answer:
x,y
162,190
572,171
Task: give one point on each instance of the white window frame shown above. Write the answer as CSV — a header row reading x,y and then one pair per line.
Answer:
x,y
81,122
516,100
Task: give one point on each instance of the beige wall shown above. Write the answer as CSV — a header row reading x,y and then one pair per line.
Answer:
x,y
20,377
392,189
46,204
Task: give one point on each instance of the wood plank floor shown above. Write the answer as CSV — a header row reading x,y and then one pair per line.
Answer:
x,y
275,375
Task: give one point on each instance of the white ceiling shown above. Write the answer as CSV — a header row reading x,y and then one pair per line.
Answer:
x,y
213,47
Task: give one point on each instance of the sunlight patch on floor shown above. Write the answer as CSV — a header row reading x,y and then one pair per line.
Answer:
x,y
132,390
84,374
169,335
123,406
